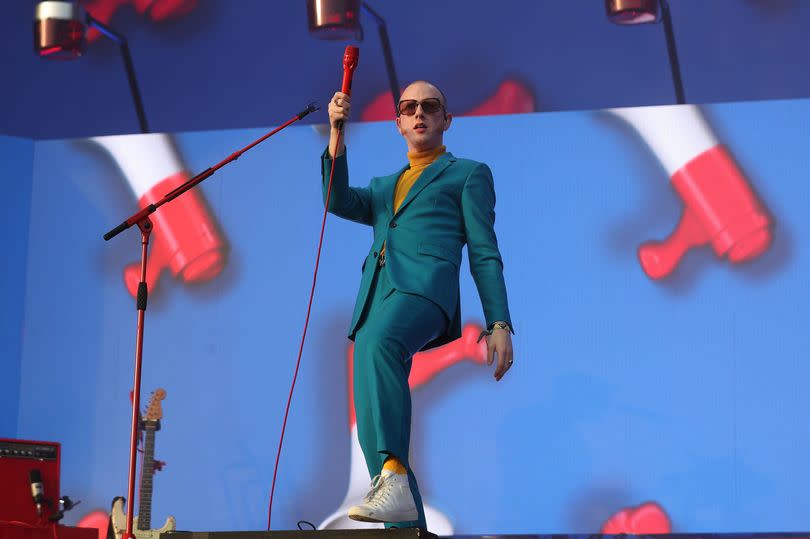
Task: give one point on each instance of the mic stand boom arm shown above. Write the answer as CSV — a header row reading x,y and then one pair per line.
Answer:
x,y
141,219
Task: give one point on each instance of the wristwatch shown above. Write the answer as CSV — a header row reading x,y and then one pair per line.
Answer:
x,y
488,332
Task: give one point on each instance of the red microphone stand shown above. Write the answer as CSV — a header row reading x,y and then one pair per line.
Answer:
x,y
141,219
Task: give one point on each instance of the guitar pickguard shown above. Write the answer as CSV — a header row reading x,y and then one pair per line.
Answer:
x,y
119,523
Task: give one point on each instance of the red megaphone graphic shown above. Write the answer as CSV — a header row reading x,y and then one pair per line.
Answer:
x,y
186,239
720,207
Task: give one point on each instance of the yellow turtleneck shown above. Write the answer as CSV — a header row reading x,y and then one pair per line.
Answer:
x,y
418,162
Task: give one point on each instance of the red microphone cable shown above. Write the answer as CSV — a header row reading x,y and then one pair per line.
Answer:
x,y
349,64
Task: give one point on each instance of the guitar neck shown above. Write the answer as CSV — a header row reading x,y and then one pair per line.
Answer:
x,y
147,473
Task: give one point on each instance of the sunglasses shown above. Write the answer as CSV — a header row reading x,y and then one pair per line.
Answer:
x,y
431,105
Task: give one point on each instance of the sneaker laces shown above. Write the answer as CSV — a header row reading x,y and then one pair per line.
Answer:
x,y
378,492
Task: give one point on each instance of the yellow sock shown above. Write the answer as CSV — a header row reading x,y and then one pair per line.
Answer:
x,y
393,464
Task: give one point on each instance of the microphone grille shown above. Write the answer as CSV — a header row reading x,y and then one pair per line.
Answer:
x,y
351,56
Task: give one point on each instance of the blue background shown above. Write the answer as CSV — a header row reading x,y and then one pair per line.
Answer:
x,y
16,162
688,392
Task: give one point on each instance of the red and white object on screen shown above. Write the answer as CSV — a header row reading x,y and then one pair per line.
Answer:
x,y
720,207
186,239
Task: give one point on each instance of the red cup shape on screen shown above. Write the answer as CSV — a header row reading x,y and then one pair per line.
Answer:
x,y
647,518
185,238
720,207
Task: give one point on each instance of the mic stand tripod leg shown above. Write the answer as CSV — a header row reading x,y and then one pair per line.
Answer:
x,y
141,299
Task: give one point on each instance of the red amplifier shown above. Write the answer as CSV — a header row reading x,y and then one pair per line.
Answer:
x,y
18,459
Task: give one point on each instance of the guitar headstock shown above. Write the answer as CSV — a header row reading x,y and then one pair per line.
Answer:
x,y
154,412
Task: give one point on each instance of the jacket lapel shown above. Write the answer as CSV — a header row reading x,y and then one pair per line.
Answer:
x,y
388,189
428,175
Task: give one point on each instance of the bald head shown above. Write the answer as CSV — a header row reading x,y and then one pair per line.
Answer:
x,y
426,84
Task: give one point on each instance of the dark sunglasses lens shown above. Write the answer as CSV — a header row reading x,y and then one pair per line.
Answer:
x,y
408,108
431,106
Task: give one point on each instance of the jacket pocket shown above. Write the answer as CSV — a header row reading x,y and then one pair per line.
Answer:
x,y
439,251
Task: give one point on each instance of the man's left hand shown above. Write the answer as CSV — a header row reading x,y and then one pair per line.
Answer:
x,y
500,344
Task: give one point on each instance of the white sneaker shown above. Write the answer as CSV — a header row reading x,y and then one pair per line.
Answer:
x,y
389,500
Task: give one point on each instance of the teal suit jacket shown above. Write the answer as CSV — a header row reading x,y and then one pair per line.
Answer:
x,y
450,205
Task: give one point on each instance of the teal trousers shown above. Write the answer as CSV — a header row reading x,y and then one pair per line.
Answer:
x,y
394,326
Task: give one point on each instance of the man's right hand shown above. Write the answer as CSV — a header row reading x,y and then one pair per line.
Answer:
x,y
339,108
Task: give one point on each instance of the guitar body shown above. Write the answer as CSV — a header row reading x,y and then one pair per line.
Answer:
x,y
118,518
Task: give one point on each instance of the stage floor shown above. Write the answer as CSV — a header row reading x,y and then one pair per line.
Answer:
x,y
413,533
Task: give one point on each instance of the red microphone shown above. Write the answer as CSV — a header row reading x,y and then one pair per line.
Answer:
x,y
350,57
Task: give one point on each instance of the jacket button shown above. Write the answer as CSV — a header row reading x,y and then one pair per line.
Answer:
x,y
375,254
393,224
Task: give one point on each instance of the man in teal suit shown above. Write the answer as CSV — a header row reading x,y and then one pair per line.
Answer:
x,y
408,301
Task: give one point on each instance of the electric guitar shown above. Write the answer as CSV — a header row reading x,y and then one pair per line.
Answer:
x,y
142,524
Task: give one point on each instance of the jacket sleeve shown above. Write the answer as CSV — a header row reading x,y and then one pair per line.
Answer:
x,y
353,203
486,265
